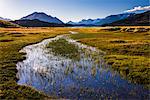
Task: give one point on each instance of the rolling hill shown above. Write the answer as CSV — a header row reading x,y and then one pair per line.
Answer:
x,y
7,24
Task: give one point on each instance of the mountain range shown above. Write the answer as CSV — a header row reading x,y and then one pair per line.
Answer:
x,y
106,20
138,20
85,22
40,19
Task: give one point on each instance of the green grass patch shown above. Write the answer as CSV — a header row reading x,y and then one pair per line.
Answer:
x,y
62,47
134,68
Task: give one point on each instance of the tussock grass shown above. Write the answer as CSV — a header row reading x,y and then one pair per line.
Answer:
x,y
130,64
134,68
9,56
62,47
127,51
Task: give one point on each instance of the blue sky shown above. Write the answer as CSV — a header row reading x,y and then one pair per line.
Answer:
x,y
67,10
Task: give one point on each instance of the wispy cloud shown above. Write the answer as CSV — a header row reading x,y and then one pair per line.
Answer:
x,y
139,8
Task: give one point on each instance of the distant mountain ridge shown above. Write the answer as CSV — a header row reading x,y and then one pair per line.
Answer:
x,y
106,20
42,17
85,22
5,19
141,19
113,18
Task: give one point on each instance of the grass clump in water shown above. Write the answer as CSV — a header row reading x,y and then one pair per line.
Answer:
x,y
134,68
62,47
127,50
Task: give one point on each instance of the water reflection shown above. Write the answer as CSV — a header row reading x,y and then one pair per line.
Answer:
x,y
88,77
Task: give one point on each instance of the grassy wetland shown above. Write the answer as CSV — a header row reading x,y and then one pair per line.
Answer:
x,y
125,49
11,41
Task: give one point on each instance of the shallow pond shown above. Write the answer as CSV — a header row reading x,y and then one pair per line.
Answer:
x,y
85,78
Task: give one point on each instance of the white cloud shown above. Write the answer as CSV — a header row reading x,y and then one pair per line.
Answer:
x,y
139,8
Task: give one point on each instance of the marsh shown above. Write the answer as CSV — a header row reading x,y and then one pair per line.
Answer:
x,y
65,68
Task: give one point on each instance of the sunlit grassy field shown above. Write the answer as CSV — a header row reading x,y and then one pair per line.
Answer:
x,y
127,52
11,41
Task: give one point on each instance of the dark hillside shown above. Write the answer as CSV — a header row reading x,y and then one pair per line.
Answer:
x,y
142,19
36,23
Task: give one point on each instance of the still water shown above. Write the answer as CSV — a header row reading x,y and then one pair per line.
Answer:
x,y
85,78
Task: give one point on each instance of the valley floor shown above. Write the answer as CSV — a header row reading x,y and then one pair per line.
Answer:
x,y
127,50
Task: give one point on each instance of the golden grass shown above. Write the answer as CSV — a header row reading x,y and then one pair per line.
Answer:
x,y
127,52
131,55
9,56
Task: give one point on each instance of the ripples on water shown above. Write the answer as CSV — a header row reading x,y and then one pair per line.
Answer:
x,y
88,77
